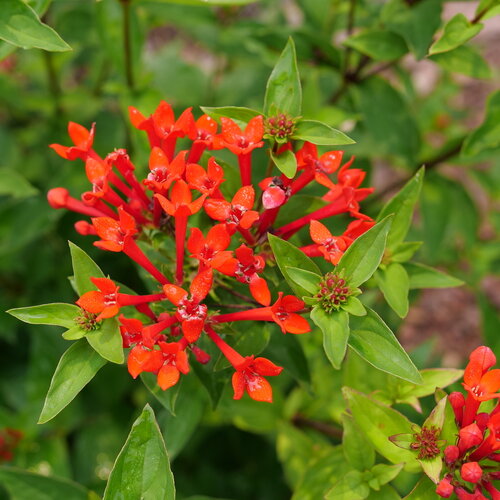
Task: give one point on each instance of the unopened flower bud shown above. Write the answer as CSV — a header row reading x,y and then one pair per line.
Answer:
x,y
482,420
444,488
84,228
58,197
451,454
470,436
457,402
483,355
200,355
471,472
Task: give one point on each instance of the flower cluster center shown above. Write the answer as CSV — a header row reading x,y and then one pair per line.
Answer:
x,y
87,321
425,442
333,292
280,126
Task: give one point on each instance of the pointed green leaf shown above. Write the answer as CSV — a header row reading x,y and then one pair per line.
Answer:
x,y
402,206
487,135
358,451
12,183
20,26
383,474
363,257
465,60
283,90
240,115
335,328
84,268
286,163
394,283
142,469
74,333
307,280
378,422
422,276
107,341
387,492
432,467
457,31
288,255
58,314
76,368
354,306
373,340
404,251
352,485
320,133
380,45
24,485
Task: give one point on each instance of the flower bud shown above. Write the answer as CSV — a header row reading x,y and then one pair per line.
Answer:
x,y
482,420
200,355
470,436
84,228
444,488
457,402
451,454
58,197
471,472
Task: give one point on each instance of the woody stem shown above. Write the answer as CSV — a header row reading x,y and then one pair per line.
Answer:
x,y
180,238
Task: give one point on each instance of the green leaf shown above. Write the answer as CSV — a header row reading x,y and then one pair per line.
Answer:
x,y
357,450
283,89
487,135
307,280
352,485
354,306
76,368
383,474
288,255
24,485
362,258
74,333
204,3
320,133
464,60
404,251
373,340
385,493
432,467
240,115
378,422
335,328
286,163
402,206
107,341
84,268
394,132
395,285
58,314
457,31
12,183
422,276
416,23
142,469
380,45
20,26
425,489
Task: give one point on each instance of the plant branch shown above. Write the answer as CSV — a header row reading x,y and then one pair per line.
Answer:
x,y
53,82
328,430
127,44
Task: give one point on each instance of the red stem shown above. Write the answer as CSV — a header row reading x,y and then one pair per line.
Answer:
x,y
131,249
180,239
302,181
470,410
247,235
258,314
168,146
232,356
245,163
125,299
78,206
196,151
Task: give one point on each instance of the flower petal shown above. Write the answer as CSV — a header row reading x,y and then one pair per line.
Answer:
x,y
295,323
259,290
238,382
319,233
265,367
259,389
201,284
244,197
168,376
174,293
218,209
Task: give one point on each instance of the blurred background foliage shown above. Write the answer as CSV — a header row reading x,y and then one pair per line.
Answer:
x,y
369,68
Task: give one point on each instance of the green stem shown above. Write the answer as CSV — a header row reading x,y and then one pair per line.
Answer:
x,y
127,44
53,82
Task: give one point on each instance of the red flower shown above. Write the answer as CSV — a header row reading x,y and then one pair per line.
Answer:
x,y
142,359
480,383
332,247
237,141
284,311
190,312
97,173
211,252
238,213
181,202
245,269
207,182
276,191
249,377
175,363
103,302
203,130
82,140
114,234
356,228
162,172
322,167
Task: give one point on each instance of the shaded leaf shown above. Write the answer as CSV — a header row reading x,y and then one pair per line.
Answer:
x,y
107,341
464,60
12,183
306,279
286,163
457,31
422,276
358,451
394,283
380,45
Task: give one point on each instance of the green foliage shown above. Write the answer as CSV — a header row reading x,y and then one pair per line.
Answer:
x,y
142,469
378,44
286,163
457,31
320,133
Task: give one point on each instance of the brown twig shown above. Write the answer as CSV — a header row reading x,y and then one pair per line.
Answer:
x,y
328,430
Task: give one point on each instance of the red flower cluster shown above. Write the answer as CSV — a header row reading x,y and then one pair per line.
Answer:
x,y
176,192
471,461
